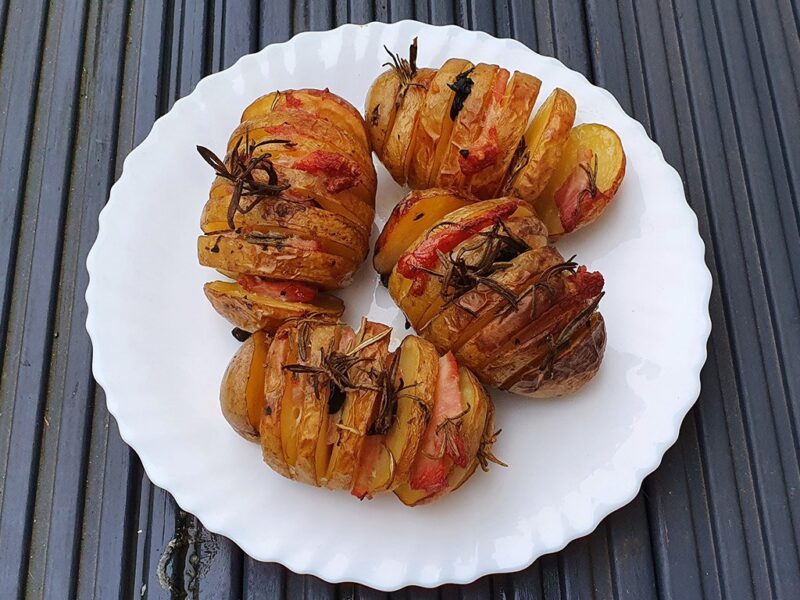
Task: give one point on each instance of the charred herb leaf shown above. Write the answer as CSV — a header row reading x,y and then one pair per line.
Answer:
x,y
241,169
240,334
462,86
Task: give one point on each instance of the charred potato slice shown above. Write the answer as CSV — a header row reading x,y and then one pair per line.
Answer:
x,y
543,144
485,79
584,181
253,312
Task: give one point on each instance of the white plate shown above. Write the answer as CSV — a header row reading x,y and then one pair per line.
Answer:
x,y
160,350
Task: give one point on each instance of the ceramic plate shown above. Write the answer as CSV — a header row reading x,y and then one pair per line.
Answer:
x,y
160,350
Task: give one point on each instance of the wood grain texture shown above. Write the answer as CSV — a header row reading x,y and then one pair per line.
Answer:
x,y
714,82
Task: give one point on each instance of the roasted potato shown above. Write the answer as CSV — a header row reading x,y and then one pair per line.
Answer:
x,y
409,218
337,409
258,311
483,283
422,280
242,390
291,208
275,256
542,146
584,181
470,133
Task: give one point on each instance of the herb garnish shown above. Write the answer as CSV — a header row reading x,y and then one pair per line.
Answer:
x,y
462,86
405,69
485,455
240,170
474,264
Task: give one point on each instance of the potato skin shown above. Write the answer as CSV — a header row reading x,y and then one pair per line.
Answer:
x,y
572,368
232,396
380,108
336,234
253,312
233,254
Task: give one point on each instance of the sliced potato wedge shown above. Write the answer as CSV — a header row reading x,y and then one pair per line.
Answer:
x,y
371,346
328,433
274,388
380,108
503,128
434,125
584,181
543,144
253,312
395,152
468,122
242,389
410,218
275,258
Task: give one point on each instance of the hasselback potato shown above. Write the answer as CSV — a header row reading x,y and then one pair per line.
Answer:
x,y
335,408
290,212
465,127
479,279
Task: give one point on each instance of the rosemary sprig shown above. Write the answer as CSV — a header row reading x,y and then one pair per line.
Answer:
x,y
591,184
485,455
519,162
564,337
405,69
473,264
240,170
392,390
543,280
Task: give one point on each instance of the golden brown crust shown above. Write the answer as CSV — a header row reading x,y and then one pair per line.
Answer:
x,y
544,142
571,368
357,411
335,234
234,254
253,312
